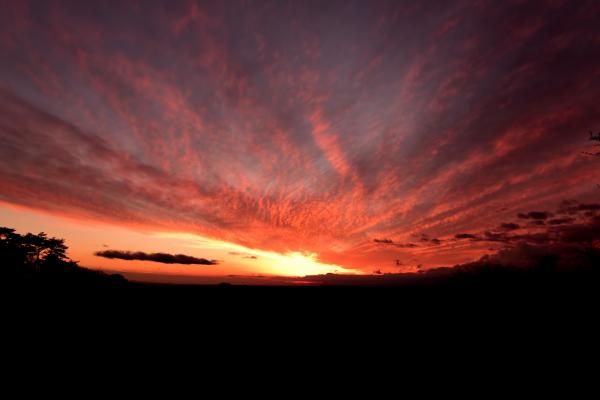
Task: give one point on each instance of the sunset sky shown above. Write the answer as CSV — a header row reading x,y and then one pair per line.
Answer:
x,y
292,138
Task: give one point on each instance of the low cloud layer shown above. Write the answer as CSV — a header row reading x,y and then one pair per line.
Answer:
x,y
535,215
156,257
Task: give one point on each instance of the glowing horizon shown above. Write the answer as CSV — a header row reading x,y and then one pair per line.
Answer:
x,y
290,264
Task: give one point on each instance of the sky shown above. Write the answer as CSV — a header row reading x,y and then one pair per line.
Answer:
x,y
292,138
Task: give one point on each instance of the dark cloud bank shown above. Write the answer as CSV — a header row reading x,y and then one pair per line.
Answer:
x,y
564,248
156,257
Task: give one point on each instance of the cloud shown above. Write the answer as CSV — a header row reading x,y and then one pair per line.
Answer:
x,y
424,238
523,254
243,255
537,223
509,226
406,245
156,257
569,240
573,207
560,221
394,244
580,233
494,236
465,236
540,215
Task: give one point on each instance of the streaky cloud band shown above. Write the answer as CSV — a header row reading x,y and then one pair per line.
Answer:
x,y
156,257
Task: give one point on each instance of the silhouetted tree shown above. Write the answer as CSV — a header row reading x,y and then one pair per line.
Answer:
x,y
41,258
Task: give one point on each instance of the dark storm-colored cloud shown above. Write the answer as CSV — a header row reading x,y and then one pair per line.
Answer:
x,y
587,233
579,230
494,236
383,241
535,215
424,238
584,207
311,115
569,245
156,257
509,226
395,244
465,236
406,245
584,230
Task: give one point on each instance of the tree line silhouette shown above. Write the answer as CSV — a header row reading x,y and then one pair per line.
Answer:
x,y
36,259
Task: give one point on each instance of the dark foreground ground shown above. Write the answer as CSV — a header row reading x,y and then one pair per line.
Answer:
x,y
507,292
463,327
473,301
465,322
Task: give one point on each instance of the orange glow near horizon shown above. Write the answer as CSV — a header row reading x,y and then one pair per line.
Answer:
x,y
85,238
291,263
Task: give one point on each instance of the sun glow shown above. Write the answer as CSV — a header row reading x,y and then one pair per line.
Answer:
x,y
302,264
293,263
